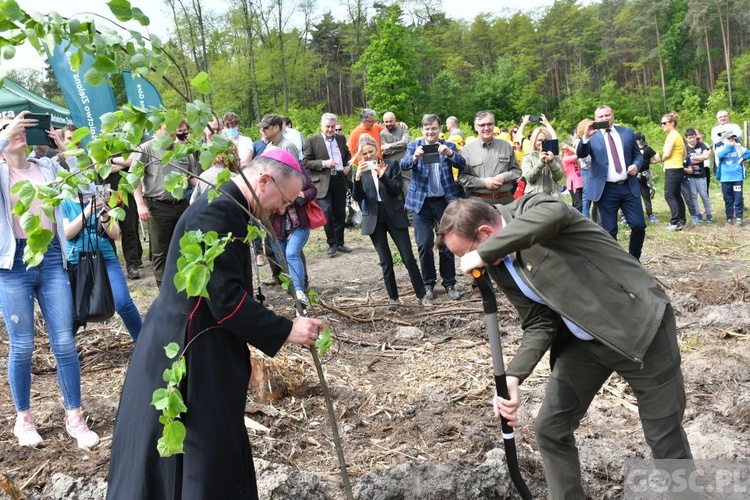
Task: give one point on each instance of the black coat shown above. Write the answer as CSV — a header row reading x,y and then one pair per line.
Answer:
x,y
390,194
217,462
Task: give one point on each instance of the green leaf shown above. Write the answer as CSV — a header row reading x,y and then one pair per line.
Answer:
x,y
159,399
173,438
212,194
82,133
202,83
175,404
30,222
25,190
197,281
11,9
104,64
324,342
313,296
94,77
8,51
104,170
172,349
176,183
121,9
285,280
139,16
253,233
180,369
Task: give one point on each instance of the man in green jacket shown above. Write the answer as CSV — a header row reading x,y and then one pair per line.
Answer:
x,y
578,292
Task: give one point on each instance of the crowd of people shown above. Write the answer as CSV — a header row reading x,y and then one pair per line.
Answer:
x,y
459,194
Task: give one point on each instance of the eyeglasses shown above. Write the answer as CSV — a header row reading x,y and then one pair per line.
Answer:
x,y
664,123
283,198
485,125
339,130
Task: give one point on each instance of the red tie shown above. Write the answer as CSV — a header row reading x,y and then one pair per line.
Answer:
x,y
613,151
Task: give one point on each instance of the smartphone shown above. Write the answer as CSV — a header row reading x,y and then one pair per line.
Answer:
x,y
551,145
37,134
535,118
601,125
368,165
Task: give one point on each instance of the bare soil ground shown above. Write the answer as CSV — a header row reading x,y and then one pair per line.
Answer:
x,y
421,394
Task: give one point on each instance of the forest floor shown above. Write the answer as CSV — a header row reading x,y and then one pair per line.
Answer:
x,y
415,387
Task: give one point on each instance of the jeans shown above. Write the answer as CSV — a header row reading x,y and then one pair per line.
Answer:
x,y
699,188
48,282
292,249
673,195
733,201
124,304
425,221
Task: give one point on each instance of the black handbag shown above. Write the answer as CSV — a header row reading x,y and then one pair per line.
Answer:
x,y
92,292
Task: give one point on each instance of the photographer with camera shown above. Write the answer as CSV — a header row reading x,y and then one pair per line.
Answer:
x,y
100,231
377,185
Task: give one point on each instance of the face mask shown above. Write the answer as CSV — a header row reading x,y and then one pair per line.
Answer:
x,y
231,133
182,137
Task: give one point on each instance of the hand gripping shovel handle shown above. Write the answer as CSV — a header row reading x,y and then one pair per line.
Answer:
x,y
489,305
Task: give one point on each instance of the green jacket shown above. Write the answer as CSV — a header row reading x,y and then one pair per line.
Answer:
x,y
581,272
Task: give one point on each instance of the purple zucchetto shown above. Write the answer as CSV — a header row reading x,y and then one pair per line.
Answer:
x,y
282,156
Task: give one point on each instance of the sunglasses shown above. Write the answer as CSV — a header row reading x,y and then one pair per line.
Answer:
x,y
664,123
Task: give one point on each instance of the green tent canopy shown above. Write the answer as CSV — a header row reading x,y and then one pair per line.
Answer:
x,y
14,99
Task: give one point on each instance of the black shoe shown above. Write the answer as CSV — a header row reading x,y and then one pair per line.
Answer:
x,y
453,294
343,249
429,294
134,274
331,251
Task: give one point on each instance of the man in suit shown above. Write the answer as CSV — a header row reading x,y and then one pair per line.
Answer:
x,y
613,183
327,157
432,188
557,268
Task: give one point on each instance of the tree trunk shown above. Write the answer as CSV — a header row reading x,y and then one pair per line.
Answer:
x,y
710,66
661,64
254,98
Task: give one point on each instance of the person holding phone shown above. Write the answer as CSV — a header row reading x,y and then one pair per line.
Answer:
x,y
377,185
100,231
526,144
613,182
541,168
47,282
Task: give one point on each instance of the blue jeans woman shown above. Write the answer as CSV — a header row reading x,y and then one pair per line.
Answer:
x,y
47,283
292,230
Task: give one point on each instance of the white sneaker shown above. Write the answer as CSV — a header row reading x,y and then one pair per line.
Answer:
x,y
78,430
302,297
25,430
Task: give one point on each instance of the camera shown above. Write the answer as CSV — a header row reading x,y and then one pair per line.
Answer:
x,y
535,118
601,125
